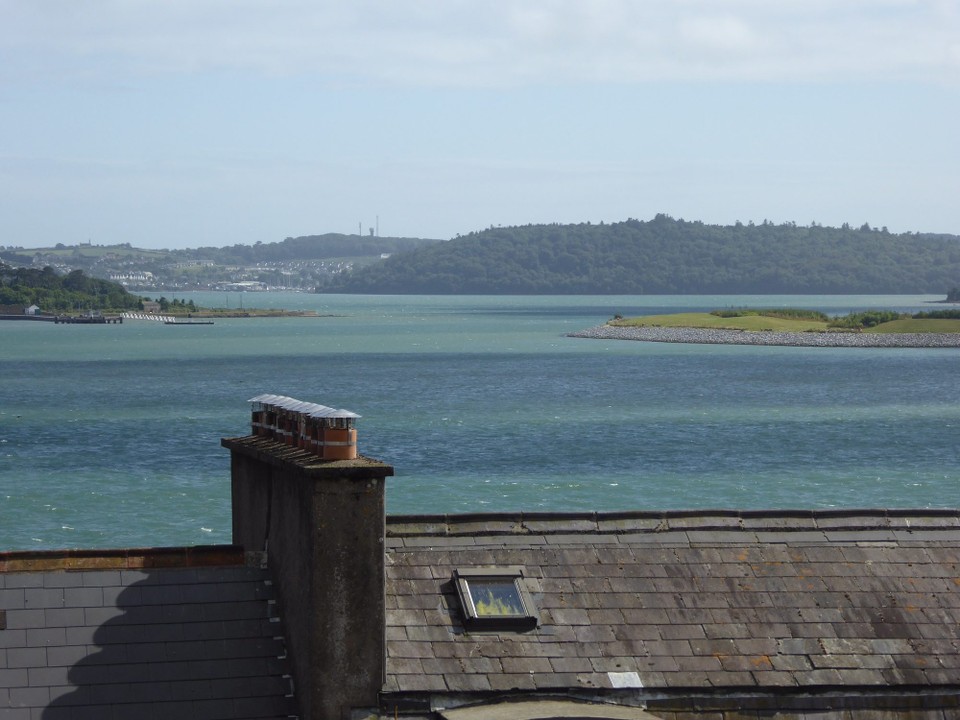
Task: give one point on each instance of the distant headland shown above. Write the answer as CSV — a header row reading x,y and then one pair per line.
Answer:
x,y
788,327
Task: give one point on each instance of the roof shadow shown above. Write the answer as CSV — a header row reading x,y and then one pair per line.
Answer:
x,y
162,643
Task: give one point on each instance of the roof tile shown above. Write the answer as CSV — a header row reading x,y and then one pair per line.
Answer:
x,y
797,601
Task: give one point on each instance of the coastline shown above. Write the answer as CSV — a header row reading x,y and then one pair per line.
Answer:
x,y
708,336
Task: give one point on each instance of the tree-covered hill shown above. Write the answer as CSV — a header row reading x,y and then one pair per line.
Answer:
x,y
668,256
55,293
307,247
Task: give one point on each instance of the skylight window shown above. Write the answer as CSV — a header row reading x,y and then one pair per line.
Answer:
x,y
495,599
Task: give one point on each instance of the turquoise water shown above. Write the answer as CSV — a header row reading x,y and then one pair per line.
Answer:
x,y
109,435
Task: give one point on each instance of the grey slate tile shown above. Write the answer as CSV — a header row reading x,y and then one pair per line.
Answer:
x,y
160,594
47,676
43,598
46,637
96,616
23,580
14,677
67,655
101,578
62,617
12,599
759,605
13,638
29,697
117,595
21,619
15,714
84,713
26,657
62,579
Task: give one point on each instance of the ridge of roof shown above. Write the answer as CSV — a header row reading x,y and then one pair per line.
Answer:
x,y
603,523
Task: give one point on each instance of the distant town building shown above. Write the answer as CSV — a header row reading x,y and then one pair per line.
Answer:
x,y
245,286
133,277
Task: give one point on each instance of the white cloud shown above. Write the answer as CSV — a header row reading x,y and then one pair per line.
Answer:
x,y
721,35
459,43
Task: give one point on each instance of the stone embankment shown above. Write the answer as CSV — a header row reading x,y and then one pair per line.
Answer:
x,y
708,336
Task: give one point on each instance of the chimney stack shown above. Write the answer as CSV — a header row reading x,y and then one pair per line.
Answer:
x,y
330,434
301,493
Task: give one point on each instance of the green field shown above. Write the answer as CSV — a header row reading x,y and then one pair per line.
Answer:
x,y
777,324
91,251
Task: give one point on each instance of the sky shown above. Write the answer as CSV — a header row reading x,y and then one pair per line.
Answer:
x,y
188,123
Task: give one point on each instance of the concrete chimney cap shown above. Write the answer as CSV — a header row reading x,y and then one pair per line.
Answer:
x,y
315,410
328,412
287,403
269,399
322,411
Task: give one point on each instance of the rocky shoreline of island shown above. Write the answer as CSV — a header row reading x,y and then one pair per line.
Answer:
x,y
711,336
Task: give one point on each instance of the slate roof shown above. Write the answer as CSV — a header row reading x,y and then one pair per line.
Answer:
x,y
652,608
146,634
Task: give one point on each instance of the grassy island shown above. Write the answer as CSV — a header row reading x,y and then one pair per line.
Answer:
x,y
794,328
802,321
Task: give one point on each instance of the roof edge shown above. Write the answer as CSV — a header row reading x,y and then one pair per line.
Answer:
x,y
643,521
814,698
122,558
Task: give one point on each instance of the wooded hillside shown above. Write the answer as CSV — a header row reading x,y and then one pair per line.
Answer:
x,y
308,247
668,256
53,293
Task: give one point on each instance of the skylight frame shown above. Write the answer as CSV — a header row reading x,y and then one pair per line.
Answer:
x,y
469,581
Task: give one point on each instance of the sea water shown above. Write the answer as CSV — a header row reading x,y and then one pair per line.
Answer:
x,y
110,434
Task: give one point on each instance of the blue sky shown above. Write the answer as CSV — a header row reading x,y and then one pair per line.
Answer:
x,y
182,123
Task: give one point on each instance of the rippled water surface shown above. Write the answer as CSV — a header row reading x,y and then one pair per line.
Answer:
x,y
110,435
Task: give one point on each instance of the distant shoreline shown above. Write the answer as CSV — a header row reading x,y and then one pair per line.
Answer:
x,y
185,317
709,336
214,313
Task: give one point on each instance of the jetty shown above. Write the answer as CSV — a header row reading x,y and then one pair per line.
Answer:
x,y
88,319
165,319
148,316
40,318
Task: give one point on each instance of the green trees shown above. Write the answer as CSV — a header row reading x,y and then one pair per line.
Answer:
x,y
867,319
667,256
51,293
176,305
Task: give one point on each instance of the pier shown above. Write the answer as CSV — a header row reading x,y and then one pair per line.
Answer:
x,y
88,319
166,319
40,318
